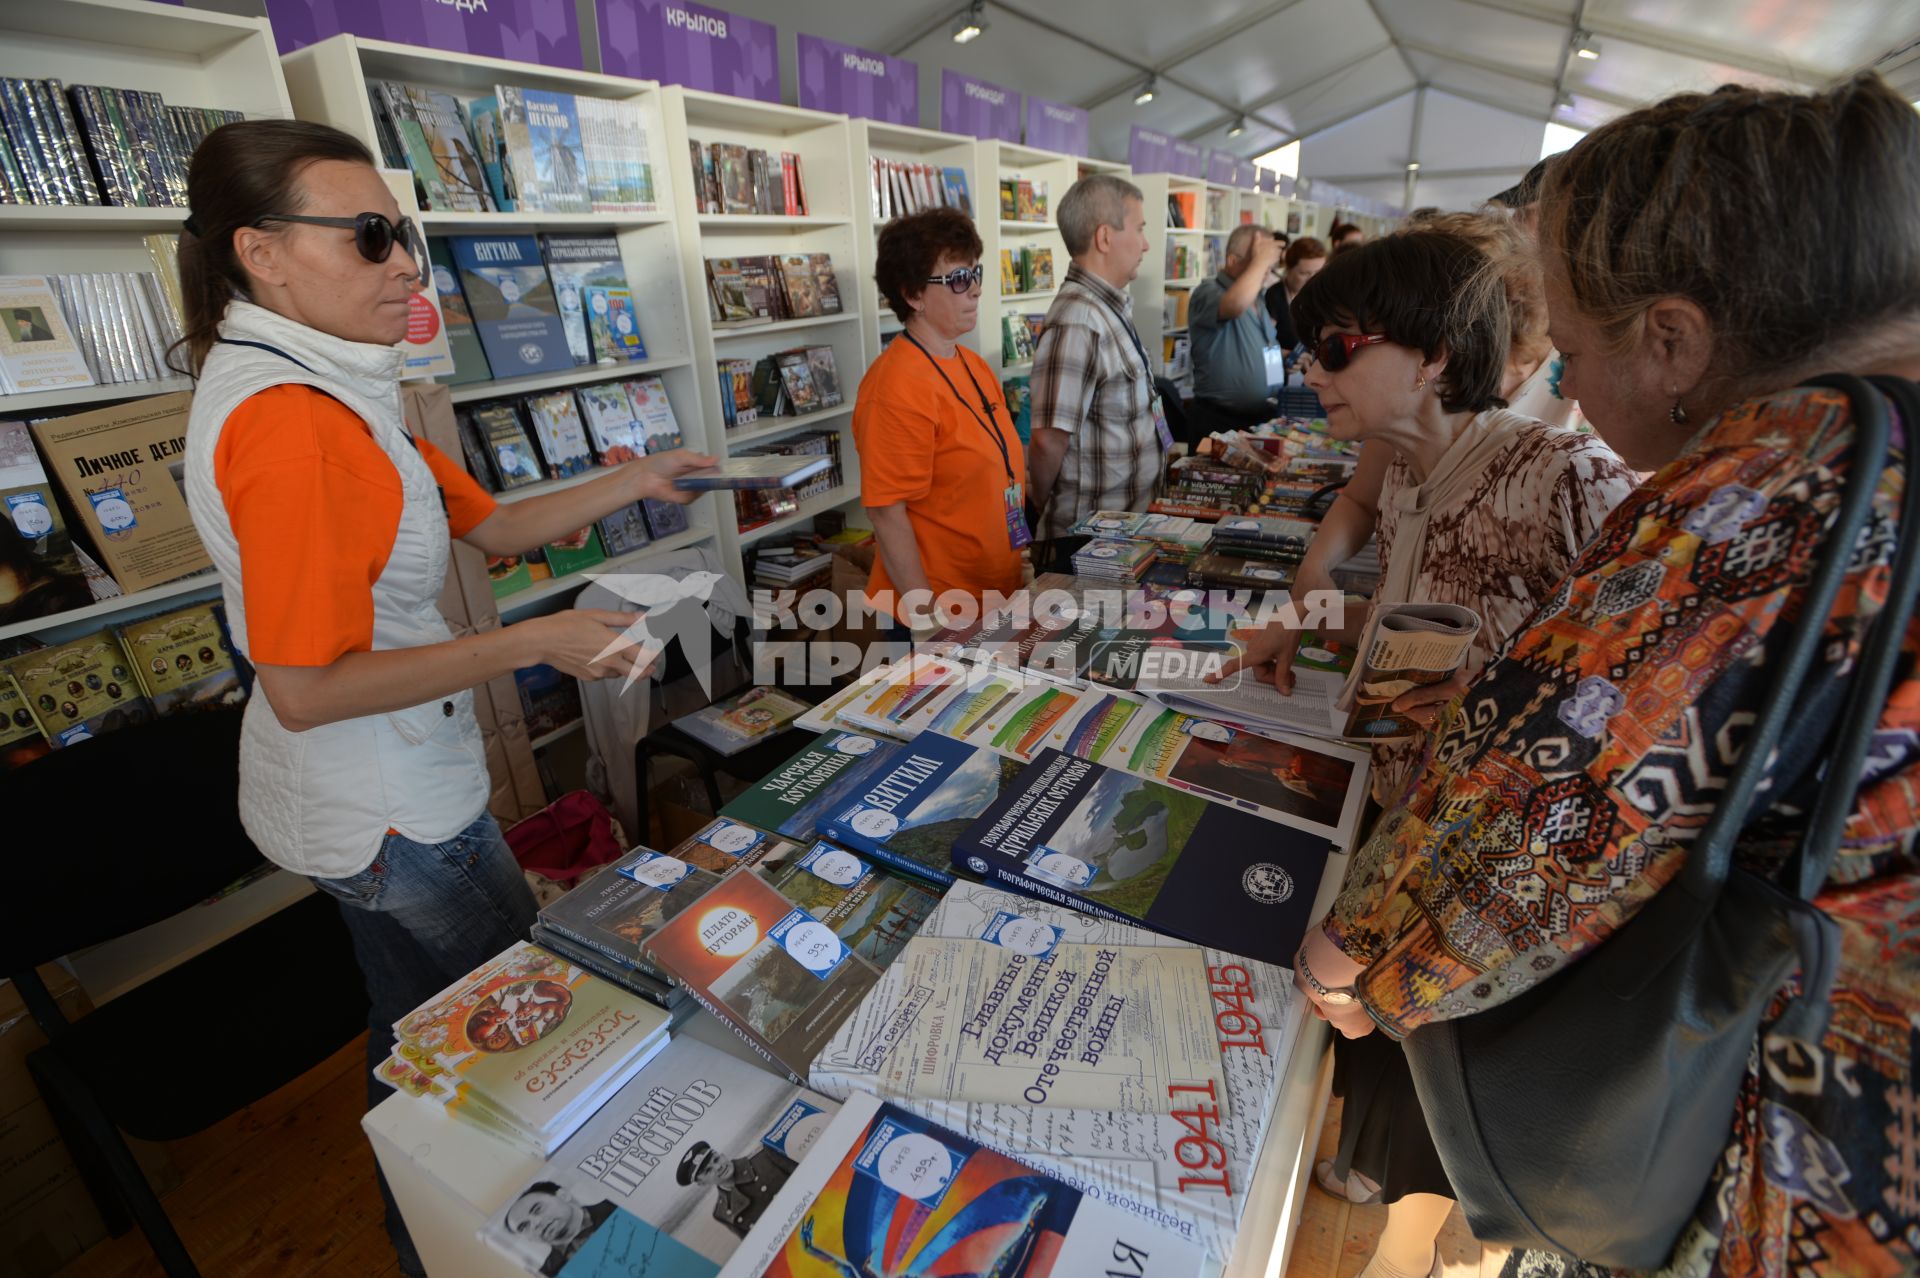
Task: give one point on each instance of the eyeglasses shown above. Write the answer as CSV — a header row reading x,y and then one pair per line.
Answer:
x,y
961,278
373,234
1335,351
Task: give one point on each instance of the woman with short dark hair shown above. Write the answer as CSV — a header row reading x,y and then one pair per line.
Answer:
x,y
941,467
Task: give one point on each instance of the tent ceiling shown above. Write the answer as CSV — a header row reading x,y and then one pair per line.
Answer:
x,y
1296,68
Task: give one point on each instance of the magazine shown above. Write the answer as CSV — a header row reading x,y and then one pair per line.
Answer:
x,y
1405,646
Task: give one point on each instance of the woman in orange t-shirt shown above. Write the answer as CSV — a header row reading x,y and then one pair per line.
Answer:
x,y
940,462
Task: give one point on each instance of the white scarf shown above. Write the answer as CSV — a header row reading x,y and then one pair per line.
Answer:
x,y
1462,464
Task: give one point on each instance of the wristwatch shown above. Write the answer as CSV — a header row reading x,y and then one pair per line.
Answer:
x,y
1341,997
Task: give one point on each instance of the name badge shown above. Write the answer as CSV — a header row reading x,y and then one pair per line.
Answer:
x,y
1018,534
1160,427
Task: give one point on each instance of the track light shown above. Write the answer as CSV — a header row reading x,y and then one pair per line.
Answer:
x,y
1585,46
1413,166
1238,126
969,25
1147,91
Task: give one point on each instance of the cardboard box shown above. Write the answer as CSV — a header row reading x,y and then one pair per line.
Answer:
x,y
120,469
47,1217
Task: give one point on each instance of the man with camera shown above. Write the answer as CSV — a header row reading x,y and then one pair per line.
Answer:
x,y
1229,332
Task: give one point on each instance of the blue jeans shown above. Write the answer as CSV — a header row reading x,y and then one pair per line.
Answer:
x,y
422,915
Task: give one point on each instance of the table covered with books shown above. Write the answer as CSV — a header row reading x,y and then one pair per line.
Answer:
x,y
993,971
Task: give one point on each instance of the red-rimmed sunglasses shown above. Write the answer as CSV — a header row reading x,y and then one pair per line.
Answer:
x,y
1334,351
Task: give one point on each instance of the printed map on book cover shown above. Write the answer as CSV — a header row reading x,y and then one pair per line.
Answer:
x,y
779,977
908,806
1186,1170
886,1192
1099,839
669,1176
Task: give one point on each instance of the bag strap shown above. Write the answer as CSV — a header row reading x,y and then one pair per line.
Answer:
x,y
1879,654
1711,857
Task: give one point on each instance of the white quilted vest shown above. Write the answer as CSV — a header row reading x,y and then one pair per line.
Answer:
x,y
319,802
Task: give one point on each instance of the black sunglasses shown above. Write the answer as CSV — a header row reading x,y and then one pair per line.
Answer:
x,y
1335,351
373,234
961,278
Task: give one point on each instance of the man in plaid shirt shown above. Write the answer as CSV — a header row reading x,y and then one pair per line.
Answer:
x,y
1096,445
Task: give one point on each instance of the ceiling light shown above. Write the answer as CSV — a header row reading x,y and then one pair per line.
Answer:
x,y
1147,91
1564,102
1413,166
969,25
1585,46
1238,126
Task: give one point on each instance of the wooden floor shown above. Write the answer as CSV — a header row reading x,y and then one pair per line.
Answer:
x,y
285,1189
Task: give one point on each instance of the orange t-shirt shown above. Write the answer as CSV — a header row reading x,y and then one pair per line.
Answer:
x,y
315,506
919,444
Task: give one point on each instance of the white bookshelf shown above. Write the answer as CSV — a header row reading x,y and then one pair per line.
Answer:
x,y
1088,166
901,143
996,161
1151,284
835,196
326,82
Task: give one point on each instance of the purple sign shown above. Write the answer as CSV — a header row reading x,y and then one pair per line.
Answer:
x,y
1245,175
1269,182
1288,186
1220,168
1189,160
679,42
1054,126
544,31
1149,151
977,108
858,82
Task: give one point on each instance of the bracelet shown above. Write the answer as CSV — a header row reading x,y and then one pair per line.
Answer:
x,y
1340,997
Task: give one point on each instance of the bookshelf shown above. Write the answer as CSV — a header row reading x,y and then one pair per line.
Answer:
x,y
898,142
994,162
1151,284
835,197
326,82
1088,166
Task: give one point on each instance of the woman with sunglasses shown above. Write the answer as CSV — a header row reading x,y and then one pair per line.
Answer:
x,y
1414,340
941,465
361,764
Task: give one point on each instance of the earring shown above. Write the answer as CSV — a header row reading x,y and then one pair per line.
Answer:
x,y
1677,414
1422,383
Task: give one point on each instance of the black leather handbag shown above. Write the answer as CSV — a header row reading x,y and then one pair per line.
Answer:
x,y
1586,1115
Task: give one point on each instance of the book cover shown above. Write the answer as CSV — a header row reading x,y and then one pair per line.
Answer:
x,y
779,977
576,552
560,432
665,518
543,139
659,429
613,326
1040,270
182,659
802,291
463,339
450,150
512,304
576,263
37,349
624,531
669,1176
79,689
400,111
21,741
825,374
796,375
955,182
610,421
874,913
791,798
826,283
755,470
510,450
907,808
508,574
731,725
490,141
1117,845
48,575
761,274
885,1191
549,700
121,468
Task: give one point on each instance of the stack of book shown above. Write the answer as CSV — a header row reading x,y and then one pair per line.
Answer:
x,y
743,291
738,406
1026,270
1268,537
898,187
1183,263
528,1046
756,507
1183,210
516,150
124,323
91,144
1220,570
790,563
790,383
1113,559
1020,337
730,178
1207,488
1023,200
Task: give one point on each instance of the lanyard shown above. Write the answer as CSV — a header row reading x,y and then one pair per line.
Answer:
x,y
993,430
1146,364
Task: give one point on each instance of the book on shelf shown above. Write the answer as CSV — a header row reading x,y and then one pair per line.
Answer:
x,y
1117,845
79,689
736,393
490,144
21,741
1189,1164
576,264
576,552
549,700
463,339
560,433
123,323
777,976
615,430
94,144
511,456
512,303
541,131
762,289
1019,396
530,1044
899,187
624,531
677,1167
182,659
1183,209
886,1191
613,136
121,470
51,570
425,345
432,130
659,428
736,179
613,325
874,912
50,158
729,726
38,351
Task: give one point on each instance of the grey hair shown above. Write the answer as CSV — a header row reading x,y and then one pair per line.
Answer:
x,y
1241,239
1097,200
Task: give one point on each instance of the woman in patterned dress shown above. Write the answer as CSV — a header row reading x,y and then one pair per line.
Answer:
x,y
1566,785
